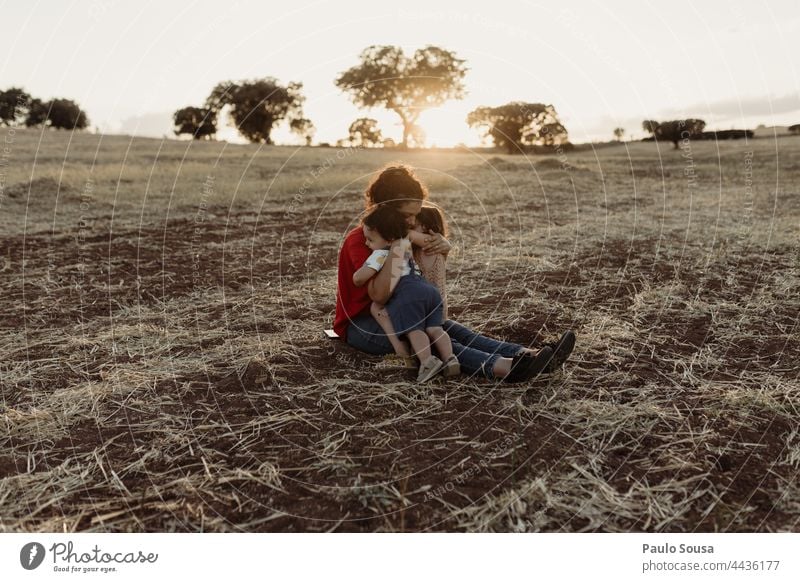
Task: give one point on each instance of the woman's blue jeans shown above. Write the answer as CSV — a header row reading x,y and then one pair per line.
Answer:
x,y
476,353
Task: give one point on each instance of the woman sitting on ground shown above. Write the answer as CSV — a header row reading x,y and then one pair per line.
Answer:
x,y
398,187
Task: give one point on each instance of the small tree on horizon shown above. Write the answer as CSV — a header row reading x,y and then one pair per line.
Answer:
x,y
407,85
57,113
515,125
675,130
14,103
619,132
304,128
650,126
256,106
36,115
364,132
199,122
66,114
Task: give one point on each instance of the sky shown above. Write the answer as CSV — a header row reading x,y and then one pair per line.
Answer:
x,y
602,64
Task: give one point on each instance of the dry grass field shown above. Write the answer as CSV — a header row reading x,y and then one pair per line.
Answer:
x,y
163,367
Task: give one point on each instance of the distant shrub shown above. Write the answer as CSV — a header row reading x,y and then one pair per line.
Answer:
x,y
726,134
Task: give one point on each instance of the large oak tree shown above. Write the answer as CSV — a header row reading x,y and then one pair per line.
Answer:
x,y
408,85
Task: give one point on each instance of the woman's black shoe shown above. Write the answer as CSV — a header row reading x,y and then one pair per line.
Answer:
x,y
561,351
525,367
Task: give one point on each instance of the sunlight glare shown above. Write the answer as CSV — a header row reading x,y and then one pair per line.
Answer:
x,y
446,126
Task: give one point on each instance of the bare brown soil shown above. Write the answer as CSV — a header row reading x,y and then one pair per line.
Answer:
x,y
167,371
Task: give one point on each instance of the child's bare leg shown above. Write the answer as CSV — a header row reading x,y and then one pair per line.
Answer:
x,y
441,341
380,315
420,344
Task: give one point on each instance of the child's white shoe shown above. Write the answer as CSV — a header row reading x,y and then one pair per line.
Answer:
x,y
429,369
451,367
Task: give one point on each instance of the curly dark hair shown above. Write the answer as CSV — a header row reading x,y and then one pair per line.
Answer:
x,y
395,185
432,219
389,223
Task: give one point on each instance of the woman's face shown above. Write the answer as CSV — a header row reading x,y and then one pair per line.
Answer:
x,y
374,240
410,210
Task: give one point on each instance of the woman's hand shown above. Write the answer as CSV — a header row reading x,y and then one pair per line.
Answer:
x,y
436,244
